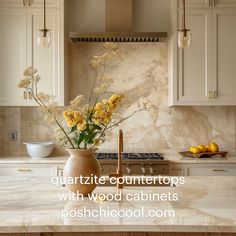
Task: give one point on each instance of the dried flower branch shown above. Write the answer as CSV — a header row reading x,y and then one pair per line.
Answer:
x,y
79,124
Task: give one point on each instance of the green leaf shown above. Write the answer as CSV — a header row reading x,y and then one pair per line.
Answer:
x,y
73,129
80,139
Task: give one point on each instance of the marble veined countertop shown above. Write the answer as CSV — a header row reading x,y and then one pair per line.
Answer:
x,y
206,204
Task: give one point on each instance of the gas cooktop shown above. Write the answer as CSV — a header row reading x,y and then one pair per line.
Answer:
x,y
130,156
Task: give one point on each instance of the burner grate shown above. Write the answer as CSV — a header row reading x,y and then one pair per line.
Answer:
x,y
131,156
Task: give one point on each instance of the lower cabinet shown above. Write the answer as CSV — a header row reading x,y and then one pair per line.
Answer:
x,y
37,170
202,169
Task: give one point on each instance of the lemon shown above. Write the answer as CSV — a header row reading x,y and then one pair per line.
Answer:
x,y
191,148
214,147
202,148
195,150
207,148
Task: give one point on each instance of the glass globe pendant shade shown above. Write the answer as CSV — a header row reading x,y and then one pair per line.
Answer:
x,y
44,38
184,38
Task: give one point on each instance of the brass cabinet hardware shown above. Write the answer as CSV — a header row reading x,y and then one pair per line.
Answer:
x,y
128,170
143,170
215,94
29,3
24,170
176,169
24,2
219,170
210,94
25,95
30,95
151,170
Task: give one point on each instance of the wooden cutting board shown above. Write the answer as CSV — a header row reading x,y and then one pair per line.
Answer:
x,y
203,154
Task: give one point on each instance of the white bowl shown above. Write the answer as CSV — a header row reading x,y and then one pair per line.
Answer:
x,y
39,149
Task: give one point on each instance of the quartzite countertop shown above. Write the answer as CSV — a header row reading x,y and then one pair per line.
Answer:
x,y
207,204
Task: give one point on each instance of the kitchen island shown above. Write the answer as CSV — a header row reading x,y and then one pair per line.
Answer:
x,y
205,204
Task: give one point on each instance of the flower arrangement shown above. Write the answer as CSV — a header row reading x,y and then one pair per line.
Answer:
x,y
81,125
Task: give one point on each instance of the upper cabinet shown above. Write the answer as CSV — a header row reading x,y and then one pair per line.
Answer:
x,y
19,26
205,74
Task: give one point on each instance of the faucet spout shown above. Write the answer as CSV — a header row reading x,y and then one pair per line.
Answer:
x,y
119,172
120,149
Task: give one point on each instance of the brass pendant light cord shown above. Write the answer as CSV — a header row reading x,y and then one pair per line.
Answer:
x,y
44,13
184,26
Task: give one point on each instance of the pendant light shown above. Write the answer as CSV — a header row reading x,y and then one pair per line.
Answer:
x,y
184,35
44,35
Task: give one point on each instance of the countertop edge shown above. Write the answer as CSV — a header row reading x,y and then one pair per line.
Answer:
x,y
118,228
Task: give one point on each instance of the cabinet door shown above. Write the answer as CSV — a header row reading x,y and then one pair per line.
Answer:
x,y
47,60
13,43
225,55
194,76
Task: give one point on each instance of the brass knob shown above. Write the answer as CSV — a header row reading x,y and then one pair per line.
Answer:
x,y
151,170
215,94
128,170
143,170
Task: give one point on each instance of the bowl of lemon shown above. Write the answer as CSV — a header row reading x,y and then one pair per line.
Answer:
x,y
201,151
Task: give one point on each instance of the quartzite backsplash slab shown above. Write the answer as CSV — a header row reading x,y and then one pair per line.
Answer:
x,y
142,72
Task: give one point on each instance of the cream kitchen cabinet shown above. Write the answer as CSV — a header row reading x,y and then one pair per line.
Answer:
x,y
34,170
18,49
205,73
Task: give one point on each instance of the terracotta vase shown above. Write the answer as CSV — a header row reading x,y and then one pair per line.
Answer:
x,y
82,162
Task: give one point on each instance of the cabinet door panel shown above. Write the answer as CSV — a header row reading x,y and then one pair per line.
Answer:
x,y
225,55
12,54
194,74
45,60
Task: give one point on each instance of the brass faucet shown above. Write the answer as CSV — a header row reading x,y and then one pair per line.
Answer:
x,y
119,172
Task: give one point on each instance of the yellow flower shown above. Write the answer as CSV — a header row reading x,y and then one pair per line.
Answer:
x,y
101,115
115,101
74,118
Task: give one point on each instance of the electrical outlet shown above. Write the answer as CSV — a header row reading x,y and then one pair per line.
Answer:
x,y
12,135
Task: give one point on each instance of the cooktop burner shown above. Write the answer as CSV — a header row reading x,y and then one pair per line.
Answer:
x,y
131,156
